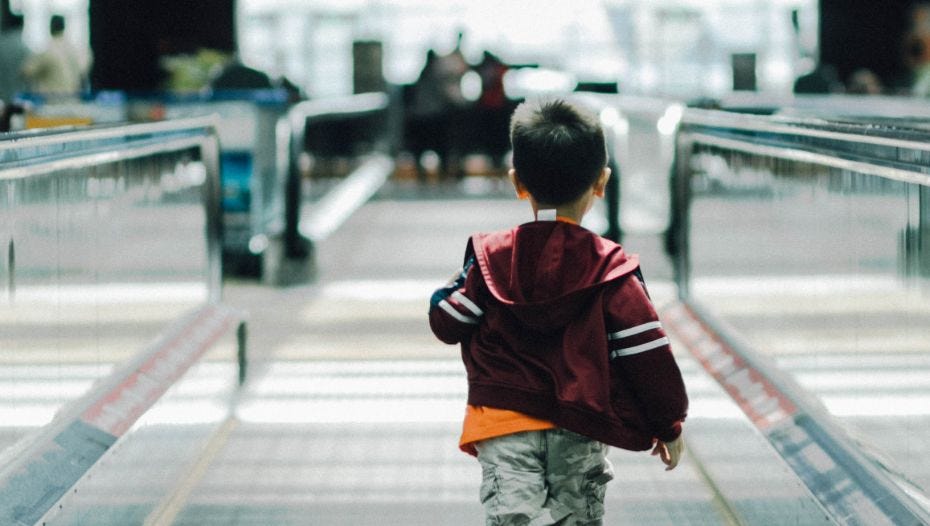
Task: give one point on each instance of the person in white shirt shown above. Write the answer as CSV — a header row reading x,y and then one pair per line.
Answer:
x,y
59,69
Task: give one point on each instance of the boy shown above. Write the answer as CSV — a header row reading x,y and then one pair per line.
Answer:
x,y
563,349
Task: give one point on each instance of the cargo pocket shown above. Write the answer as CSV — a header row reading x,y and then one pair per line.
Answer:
x,y
595,492
490,495
490,485
596,488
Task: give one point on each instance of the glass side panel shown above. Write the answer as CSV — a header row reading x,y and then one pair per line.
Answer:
x,y
825,271
96,261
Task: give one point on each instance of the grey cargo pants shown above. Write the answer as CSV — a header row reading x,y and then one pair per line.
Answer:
x,y
537,478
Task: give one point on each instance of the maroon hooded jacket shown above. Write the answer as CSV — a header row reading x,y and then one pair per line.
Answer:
x,y
555,322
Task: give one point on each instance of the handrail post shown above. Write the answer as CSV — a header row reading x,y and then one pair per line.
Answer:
x,y
295,125
210,148
677,237
242,357
295,247
923,232
612,196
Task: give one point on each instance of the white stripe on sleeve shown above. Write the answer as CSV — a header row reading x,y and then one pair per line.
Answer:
x,y
446,306
635,330
636,349
469,304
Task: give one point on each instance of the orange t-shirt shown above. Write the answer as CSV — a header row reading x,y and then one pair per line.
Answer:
x,y
482,423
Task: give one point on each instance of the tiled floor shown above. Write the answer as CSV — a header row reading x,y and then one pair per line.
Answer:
x,y
355,414
377,459
354,417
353,409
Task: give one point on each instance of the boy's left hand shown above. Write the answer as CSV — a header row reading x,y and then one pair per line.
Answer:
x,y
669,452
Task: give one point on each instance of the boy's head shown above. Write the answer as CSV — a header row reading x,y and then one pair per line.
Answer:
x,y
559,150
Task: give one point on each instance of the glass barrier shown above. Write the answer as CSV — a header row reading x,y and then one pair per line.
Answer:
x,y
107,235
809,241
253,198
253,191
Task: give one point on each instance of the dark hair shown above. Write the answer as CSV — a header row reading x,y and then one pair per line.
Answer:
x,y
11,22
558,149
57,25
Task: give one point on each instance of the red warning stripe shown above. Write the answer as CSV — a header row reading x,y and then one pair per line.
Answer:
x,y
117,410
761,400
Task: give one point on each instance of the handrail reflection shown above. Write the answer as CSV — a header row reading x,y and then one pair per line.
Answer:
x,y
58,136
83,159
873,134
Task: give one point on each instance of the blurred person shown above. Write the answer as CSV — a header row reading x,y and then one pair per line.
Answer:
x,y
917,49
295,93
13,54
564,352
492,70
235,75
59,69
450,69
493,108
436,111
864,81
822,80
424,128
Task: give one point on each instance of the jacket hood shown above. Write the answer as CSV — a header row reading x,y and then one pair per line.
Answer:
x,y
544,272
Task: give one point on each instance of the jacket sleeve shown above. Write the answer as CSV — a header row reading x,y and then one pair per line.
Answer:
x,y
642,361
454,310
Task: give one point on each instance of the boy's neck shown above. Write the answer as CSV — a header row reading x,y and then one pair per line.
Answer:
x,y
570,211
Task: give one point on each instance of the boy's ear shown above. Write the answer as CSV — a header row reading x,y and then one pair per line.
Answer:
x,y
522,192
601,184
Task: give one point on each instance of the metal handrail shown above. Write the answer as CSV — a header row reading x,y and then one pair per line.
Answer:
x,y
792,138
830,106
291,130
805,127
917,176
57,136
82,160
176,135
346,106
